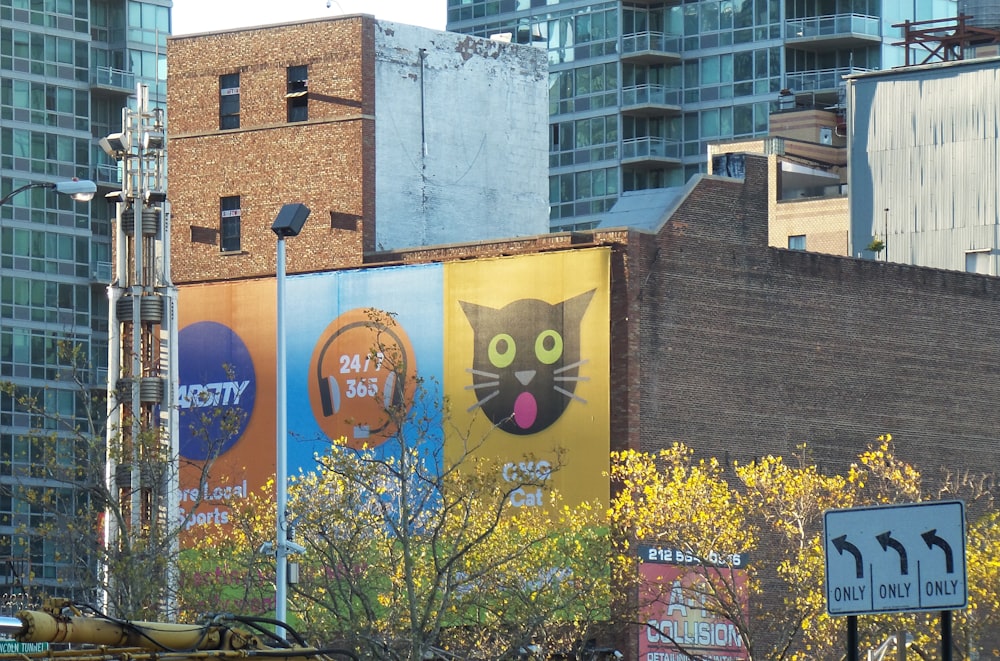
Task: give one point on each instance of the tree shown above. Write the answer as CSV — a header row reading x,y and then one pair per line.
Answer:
x,y
773,510
68,499
669,500
413,551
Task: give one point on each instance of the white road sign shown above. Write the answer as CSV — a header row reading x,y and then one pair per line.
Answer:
x,y
896,558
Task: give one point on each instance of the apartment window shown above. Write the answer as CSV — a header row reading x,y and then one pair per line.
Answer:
x,y
797,242
229,224
229,101
298,93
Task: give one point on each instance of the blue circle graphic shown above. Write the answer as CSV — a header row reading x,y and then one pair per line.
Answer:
x,y
218,388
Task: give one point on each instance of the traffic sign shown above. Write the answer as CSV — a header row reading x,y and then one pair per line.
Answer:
x,y
895,558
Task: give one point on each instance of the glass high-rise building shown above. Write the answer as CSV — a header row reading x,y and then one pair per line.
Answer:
x,y
638,88
67,68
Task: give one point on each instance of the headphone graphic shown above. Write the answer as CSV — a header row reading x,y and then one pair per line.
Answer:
x,y
393,392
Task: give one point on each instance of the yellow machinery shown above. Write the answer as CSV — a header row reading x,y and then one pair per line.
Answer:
x,y
92,636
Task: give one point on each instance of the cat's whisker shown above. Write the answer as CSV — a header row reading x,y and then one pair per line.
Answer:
x,y
484,384
482,373
568,394
570,366
570,378
481,402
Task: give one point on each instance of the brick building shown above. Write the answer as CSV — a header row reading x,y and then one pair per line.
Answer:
x,y
807,156
712,338
706,332
357,119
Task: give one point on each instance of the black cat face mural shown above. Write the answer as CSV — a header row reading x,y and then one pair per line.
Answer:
x,y
526,361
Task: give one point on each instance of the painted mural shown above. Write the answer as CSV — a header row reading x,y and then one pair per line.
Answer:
x,y
517,345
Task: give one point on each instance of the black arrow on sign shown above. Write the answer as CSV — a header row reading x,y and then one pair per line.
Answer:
x,y
886,540
931,538
841,544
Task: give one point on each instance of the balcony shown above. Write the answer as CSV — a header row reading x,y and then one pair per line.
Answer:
x,y
107,175
819,86
832,32
650,100
651,48
653,3
114,81
650,153
100,272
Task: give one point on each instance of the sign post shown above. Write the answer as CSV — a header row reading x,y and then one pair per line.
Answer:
x,y
896,558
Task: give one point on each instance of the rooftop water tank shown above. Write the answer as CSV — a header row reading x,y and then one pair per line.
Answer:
x,y
984,13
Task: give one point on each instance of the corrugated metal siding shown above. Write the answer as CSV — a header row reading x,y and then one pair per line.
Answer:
x,y
928,140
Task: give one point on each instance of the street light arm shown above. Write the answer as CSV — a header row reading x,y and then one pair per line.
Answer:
x,y
81,190
14,192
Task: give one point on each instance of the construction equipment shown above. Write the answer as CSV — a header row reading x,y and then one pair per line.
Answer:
x,y
90,635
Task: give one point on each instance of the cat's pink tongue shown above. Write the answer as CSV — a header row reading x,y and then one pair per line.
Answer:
x,y
525,410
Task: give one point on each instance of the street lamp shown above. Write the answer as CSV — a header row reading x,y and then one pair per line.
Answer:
x,y
288,222
81,190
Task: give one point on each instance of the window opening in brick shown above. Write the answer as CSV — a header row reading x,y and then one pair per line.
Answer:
x,y
229,223
797,242
297,95
229,101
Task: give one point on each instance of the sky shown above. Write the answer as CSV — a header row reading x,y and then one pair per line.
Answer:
x,y
213,15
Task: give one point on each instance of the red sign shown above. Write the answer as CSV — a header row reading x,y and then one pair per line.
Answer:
x,y
683,617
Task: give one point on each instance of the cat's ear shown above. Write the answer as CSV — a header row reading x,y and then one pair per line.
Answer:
x,y
573,308
473,310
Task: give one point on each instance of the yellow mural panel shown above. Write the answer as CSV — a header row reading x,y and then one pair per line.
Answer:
x,y
526,367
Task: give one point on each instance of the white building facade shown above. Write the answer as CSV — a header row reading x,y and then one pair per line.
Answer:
x,y
924,167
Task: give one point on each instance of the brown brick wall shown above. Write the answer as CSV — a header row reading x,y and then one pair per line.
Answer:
x,y
749,350
327,162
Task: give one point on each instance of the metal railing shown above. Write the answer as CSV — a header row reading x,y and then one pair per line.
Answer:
x,y
832,25
641,95
100,271
650,147
819,79
105,173
111,77
659,42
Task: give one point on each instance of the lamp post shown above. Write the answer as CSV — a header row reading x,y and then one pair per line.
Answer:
x,y
287,223
81,190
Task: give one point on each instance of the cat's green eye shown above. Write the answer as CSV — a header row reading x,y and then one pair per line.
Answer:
x,y
502,350
548,346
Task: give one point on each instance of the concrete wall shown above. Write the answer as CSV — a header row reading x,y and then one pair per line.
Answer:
x,y
925,163
461,138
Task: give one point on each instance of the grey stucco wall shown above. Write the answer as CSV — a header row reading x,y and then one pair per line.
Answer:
x,y
461,126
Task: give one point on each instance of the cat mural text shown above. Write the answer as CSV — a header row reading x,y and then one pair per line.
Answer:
x,y
534,473
896,558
